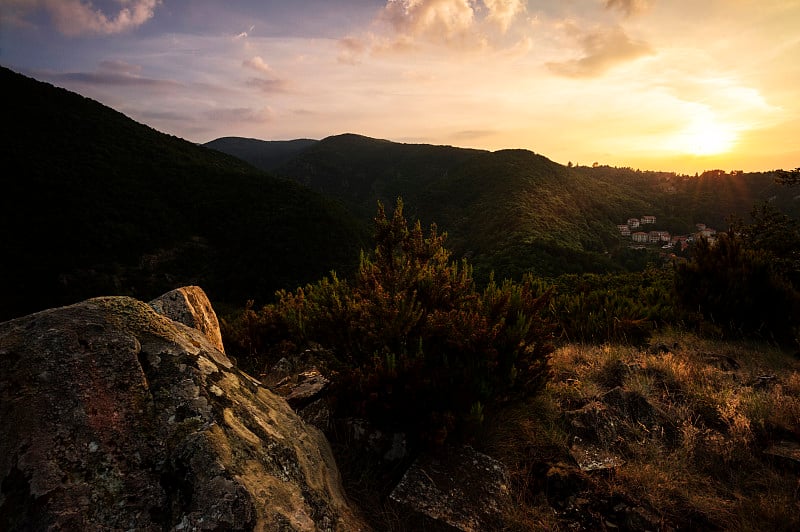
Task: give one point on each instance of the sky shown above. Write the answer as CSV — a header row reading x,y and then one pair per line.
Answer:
x,y
672,85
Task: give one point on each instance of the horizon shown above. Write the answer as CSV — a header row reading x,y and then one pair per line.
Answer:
x,y
644,84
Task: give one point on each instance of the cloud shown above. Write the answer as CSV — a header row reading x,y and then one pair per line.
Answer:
x,y
432,18
114,73
352,48
629,7
267,85
503,12
77,17
244,34
256,63
240,114
602,50
120,67
472,134
162,115
406,25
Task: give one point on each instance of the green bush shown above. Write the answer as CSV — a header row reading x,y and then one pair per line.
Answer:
x,y
620,308
742,288
418,348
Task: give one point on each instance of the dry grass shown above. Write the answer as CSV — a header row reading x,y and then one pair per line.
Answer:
x,y
718,407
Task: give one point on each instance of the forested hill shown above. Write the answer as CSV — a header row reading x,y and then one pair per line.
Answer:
x,y
266,155
95,203
358,171
513,211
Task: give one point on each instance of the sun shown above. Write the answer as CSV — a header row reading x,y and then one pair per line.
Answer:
x,y
705,136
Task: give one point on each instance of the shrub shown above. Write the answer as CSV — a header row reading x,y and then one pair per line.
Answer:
x,y
741,288
619,308
418,348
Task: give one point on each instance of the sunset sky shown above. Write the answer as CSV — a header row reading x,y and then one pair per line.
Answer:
x,y
677,85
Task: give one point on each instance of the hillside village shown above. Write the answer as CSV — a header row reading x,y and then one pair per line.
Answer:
x,y
640,237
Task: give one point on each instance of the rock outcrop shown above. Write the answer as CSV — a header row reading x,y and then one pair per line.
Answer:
x,y
460,490
116,417
190,305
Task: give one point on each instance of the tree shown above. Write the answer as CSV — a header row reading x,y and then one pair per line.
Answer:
x,y
743,285
788,177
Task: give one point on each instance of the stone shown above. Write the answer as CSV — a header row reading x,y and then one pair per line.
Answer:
x,y
385,446
318,414
282,369
632,405
309,386
114,417
562,483
787,450
723,362
461,488
190,305
591,457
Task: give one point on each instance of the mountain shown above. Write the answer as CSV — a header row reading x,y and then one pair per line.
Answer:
x,y
513,211
95,203
263,154
359,171
510,211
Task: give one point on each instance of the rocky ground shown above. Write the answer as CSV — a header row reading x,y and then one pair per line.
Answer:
x,y
120,414
683,434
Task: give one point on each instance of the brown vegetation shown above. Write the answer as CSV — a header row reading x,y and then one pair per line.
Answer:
x,y
695,438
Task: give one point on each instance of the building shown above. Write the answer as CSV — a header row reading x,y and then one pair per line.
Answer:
x,y
639,236
648,220
633,223
654,237
624,230
682,241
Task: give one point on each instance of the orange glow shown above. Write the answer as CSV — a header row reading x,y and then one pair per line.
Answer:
x,y
706,137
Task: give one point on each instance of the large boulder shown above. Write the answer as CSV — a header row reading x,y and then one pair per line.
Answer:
x,y
190,306
116,417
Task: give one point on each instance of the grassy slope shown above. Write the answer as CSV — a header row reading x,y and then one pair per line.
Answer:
x,y
693,437
95,203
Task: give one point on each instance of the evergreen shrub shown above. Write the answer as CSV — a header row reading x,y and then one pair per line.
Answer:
x,y
418,348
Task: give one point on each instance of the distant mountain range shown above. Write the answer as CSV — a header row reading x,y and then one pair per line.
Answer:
x,y
512,211
96,203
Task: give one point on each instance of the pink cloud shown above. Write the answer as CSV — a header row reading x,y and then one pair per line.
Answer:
x,y
351,49
267,85
602,50
257,63
629,7
444,18
77,17
241,114
503,12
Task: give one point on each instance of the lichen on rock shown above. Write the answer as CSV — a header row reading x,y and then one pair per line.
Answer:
x,y
116,417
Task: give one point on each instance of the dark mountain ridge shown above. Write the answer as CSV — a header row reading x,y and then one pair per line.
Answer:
x,y
96,203
263,154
